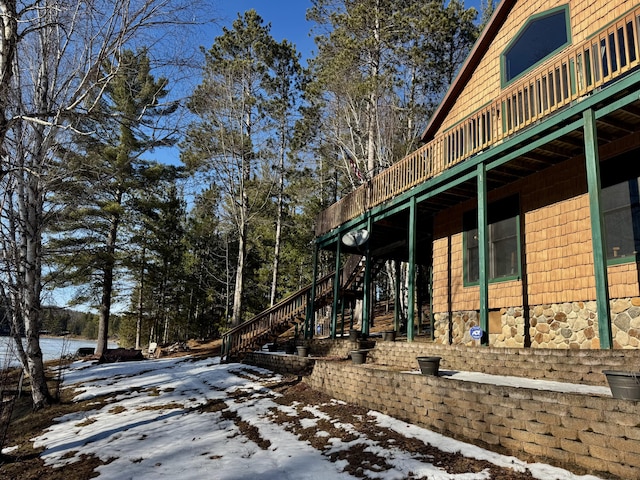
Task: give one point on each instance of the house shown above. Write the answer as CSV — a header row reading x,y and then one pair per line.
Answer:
x,y
524,201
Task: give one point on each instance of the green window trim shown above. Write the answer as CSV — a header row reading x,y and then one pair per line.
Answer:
x,y
612,262
505,79
620,207
495,210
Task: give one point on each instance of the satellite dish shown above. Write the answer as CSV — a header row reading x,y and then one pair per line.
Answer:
x,y
355,238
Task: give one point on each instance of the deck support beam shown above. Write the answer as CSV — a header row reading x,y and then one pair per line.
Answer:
x,y
597,229
483,252
411,274
309,318
336,292
366,294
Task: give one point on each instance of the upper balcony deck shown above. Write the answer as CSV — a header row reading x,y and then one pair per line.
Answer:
x,y
567,78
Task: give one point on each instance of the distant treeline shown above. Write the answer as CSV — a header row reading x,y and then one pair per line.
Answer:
x,y
58,321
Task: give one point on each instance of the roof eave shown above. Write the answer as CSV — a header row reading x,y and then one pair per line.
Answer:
x,y
469,66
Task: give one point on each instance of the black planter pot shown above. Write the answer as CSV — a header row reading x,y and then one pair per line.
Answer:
x,y
429,365
354,335
303,350
290,349
358,357
272,347
624,385
389,336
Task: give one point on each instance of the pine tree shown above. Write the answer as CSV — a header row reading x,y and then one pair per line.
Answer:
x,y
227,143
105,177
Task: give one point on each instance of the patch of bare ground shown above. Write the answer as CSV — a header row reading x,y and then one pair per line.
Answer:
x,y
24,462
358,457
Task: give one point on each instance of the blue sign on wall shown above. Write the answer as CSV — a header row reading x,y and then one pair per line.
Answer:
x,y
476,333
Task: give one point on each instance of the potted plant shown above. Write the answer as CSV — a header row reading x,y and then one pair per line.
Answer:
x,y
429,365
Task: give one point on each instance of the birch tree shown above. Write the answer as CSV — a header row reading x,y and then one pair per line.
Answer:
x,y
52,54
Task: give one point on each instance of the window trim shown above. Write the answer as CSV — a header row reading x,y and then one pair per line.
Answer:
x,y
631,258
504,82
465,259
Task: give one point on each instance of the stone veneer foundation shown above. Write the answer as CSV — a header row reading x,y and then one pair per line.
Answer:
x,y
564,326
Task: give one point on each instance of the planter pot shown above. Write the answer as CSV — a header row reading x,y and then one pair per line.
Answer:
x,y
389,336
429,365
303,350
353,335
625,385
272,347
290,349
358,357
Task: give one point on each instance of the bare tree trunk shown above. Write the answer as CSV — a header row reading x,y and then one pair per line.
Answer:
x,y
107,284
236,319
140,302
372,107
8,47
280,207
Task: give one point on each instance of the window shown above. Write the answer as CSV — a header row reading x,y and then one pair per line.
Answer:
x,y
540,37
503,238
620,204
621,212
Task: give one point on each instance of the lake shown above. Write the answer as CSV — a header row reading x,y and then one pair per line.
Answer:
x,y
52,349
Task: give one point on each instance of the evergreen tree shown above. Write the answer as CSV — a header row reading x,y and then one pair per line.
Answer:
x,y
382,67
228,142
106,175
283,88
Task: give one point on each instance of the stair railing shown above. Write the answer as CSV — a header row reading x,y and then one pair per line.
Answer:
x,y
248,335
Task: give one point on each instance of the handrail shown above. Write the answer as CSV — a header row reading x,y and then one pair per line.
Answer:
x,y
574,73
242,337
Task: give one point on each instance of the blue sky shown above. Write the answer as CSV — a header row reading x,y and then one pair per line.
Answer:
x,y
287,18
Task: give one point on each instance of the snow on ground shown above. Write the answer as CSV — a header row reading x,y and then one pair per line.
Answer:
x,y
187,419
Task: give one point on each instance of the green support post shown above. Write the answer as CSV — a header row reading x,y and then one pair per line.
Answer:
x,y
597,229
366,294
396,300
412,270
336,292
483,252
309,318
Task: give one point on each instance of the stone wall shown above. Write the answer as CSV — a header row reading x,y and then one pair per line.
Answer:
x,y
583,433
579,432
281,363
574,366
569,325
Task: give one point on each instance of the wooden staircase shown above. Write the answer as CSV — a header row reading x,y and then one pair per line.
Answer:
x,y
268,325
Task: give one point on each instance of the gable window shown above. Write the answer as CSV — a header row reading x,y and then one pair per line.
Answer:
x,y
540,37
503,238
